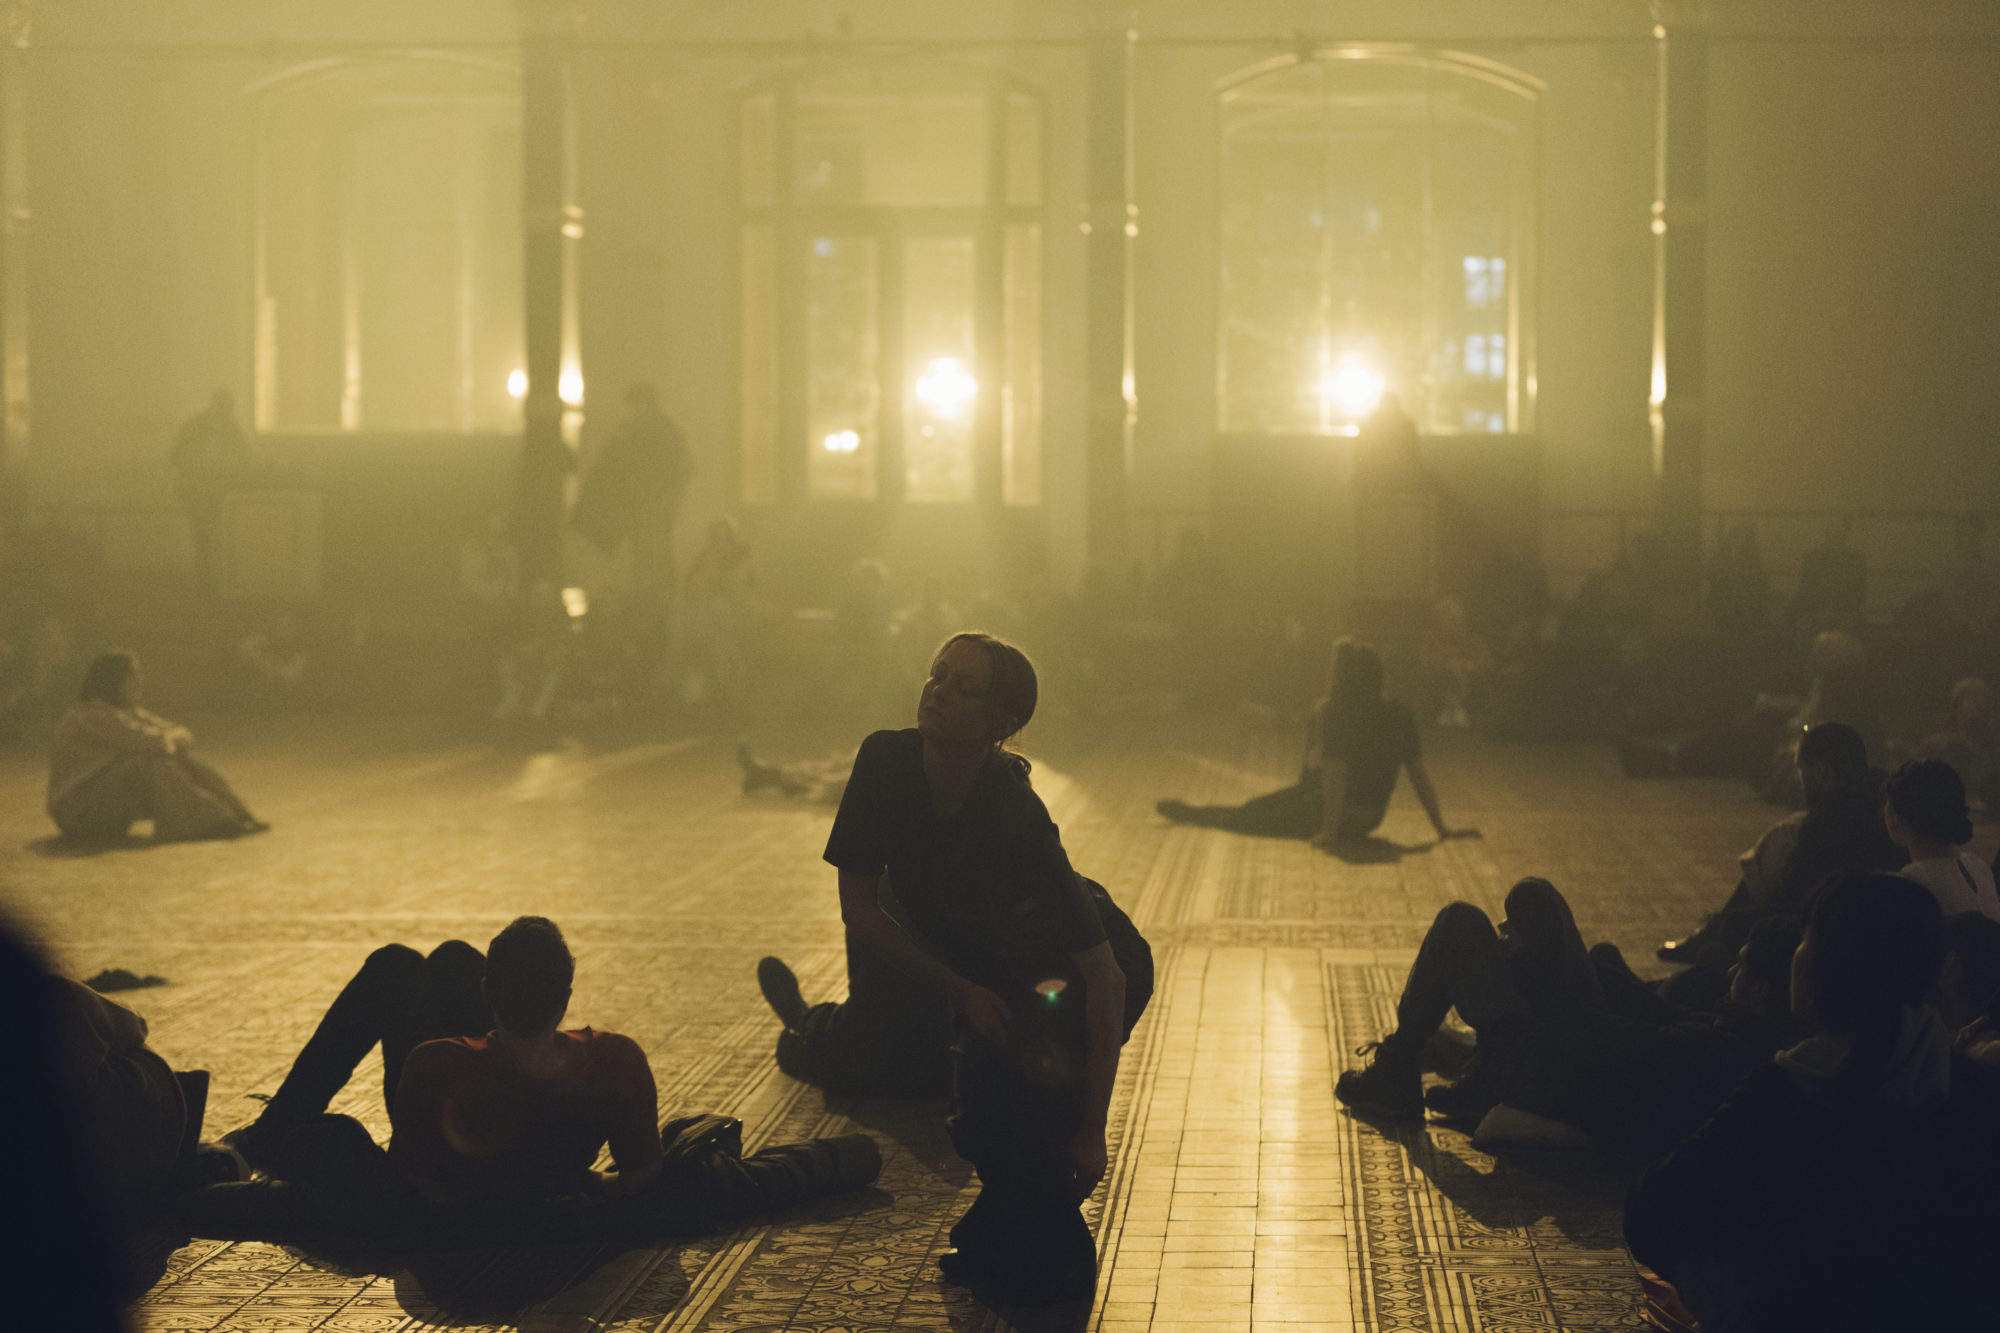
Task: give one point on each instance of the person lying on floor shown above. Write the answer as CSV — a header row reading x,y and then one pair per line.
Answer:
x,y
1854,1183
1552,1054
814,781
112,764
497,1115
1357,745
1840,830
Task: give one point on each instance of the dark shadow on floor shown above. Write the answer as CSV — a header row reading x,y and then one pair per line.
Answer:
x,y
1579,1192
1374,851
917,1125
57,847
497,1286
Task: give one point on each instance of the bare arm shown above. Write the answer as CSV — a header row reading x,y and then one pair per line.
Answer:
x,y
1420,782
1104,1031
861,911
1333,802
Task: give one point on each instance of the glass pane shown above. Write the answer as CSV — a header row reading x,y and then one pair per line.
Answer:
x,y
843,368
939,405
1024,150
758,352
1369,217
889,149
1021,335
388,251
756,162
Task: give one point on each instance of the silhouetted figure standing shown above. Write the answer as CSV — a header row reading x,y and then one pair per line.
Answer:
x,y
208,452
631,496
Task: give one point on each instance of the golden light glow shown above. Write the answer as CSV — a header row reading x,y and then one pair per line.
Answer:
x,y
841,442
946,388
517,384
1353,388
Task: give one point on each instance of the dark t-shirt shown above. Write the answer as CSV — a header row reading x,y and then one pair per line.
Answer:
x,y
989,888
1375,740
461,1114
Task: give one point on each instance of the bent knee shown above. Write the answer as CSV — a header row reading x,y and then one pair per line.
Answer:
x,y
1462,916
394,959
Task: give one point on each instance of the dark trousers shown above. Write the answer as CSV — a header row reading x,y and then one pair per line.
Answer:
x,y
400,999
887,1039
1296,811
342,1182
1462,965
1025,1231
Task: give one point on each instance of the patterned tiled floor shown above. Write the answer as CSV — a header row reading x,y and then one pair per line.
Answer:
x,y
1239,1197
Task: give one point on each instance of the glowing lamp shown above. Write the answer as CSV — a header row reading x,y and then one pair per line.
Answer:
x,y
841,442
946,387
1352,386
577,602
517,384
569,386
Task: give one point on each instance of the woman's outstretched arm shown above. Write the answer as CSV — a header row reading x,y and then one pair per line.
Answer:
x,y
1420,782
861,911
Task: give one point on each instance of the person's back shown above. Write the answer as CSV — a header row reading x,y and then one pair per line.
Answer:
x,y
465,1115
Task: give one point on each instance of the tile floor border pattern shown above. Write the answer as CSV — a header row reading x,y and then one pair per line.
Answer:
x,y
1422,1265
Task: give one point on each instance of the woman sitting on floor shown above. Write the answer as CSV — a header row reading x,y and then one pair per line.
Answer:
x,y
112,763
1356,744
1045,976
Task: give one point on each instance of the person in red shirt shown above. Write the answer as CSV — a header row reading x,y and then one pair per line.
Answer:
x,y
494,1136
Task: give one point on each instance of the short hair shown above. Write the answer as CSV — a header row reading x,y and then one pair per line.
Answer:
x,y
1877,945
528,975
1836,745
1357,673
1929,796
105,677
1974,940
1767,956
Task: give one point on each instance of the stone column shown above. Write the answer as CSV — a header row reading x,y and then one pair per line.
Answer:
x,y
545,461
1110,224
1680,275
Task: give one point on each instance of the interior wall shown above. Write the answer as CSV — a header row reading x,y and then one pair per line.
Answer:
x,y
1852,282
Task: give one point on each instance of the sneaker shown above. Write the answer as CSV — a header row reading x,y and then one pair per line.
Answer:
x,y
1467,1099
781,992
261,1142
1392,1084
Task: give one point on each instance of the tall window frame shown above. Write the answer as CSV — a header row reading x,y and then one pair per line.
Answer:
x,y
1377,232
891,317
386,246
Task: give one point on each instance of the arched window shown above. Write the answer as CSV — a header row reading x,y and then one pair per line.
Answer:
x,y
891,287
1377,232
387,247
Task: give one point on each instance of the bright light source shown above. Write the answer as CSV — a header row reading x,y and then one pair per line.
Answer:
x,y
841,442
577,602
570,386
517,384
1353,386
946,387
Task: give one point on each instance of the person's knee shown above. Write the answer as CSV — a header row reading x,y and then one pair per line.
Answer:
x,y
1460,919
398,962
456,956
1606,954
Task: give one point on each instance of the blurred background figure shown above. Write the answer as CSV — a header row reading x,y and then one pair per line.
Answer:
x,y
720,583
630,500
209,453
112,764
